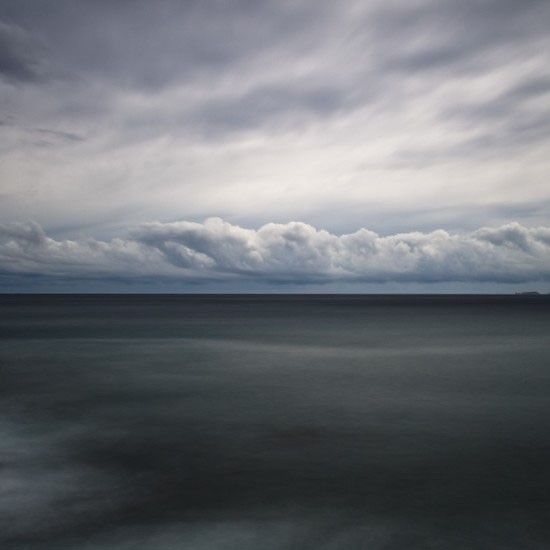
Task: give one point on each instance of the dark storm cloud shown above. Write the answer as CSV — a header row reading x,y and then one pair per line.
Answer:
x,y
279,253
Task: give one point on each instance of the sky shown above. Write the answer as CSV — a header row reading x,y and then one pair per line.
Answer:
x,y
274,146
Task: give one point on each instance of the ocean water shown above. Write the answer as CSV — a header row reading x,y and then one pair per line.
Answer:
x,y
274,422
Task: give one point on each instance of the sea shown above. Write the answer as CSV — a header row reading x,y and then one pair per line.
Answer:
x,y
244,422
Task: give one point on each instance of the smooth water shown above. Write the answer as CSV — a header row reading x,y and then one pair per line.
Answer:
x,y
274,422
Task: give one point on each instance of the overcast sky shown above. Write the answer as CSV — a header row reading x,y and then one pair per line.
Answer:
x,y
277,145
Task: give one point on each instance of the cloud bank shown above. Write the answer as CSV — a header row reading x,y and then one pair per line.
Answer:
x,y
294,252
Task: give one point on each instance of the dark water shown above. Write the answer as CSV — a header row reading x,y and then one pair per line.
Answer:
x,y
234,422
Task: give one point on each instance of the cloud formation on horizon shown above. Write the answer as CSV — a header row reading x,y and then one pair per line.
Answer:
x,y
294,252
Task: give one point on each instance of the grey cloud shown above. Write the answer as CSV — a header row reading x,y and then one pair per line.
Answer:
x,y
99,38
25,248
507,137
275,106
448,39
515,236
381,51
180,43
504,124
292,252
195,38
439,33
375,49
18,61
534,87
512,107
65,136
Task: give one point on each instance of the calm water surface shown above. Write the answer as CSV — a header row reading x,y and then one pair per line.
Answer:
x,y
274,422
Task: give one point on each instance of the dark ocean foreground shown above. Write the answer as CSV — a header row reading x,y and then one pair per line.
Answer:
x,y
274,422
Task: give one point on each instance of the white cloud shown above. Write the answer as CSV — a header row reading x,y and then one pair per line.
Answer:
x,y
294,252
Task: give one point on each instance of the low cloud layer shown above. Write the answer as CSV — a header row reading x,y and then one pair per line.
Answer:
x,y
282,253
